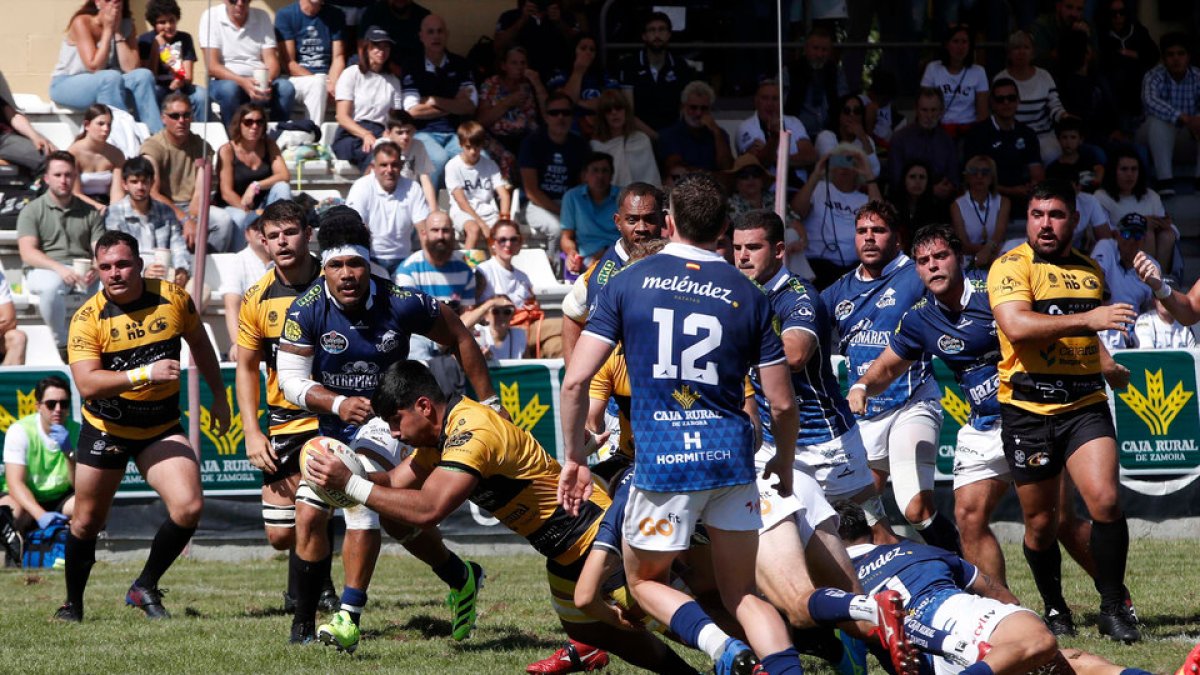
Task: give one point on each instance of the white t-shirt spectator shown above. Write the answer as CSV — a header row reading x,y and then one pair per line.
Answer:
x,y
1151,332
827,141
751,130
513,284
374,95
1091,216
390,216
241,48
479,182
1149,205
247,269
511,347
830,224
958,91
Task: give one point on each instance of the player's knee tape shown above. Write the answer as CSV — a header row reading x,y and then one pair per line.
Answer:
x,y
279,515
305,495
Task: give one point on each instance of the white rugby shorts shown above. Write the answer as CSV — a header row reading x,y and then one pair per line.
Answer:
x,y
979,455
665,521
806,505
970,618
839,465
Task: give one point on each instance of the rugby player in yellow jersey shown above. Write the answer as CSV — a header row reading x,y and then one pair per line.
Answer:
x,y
1047,298
124,346
465,450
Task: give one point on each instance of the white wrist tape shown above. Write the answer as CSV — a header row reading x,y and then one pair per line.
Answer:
x,y
359,489
337,405
858,385
1164,291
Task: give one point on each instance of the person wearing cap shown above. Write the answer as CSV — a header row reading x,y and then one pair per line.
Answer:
x,y
1115,257
752,188
1158,329
338,338
365,94
313,53
239,46
588,210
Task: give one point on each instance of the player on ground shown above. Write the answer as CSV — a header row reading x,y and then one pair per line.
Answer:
x,y
337,339
468,452
900,426
639,218
260,322
1047,298
691,327
829,447
124,351
954,322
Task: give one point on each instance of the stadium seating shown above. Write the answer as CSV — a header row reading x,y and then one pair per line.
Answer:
x,y
40,349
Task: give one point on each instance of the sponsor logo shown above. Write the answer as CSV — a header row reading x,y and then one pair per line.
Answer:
x,y
663,526
85,314
159,325
272,316
115,333
888,299
950,345
1053,279
525,416
334,342
955,406
78,343
388,342
685,397
685,284
1038,459
458,440
1006,285
1090,283
805,311
356,376
291,330
1155,407
843,309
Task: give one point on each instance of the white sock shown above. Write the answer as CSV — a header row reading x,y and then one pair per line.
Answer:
x,y
712,641
864,608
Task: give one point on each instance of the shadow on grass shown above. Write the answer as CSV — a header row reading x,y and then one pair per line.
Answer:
x,y
1160,623
427,627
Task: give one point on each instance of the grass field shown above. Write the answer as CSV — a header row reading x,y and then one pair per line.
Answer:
x,y
228,619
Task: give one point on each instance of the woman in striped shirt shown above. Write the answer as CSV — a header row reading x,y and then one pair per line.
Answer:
x,y
1040,106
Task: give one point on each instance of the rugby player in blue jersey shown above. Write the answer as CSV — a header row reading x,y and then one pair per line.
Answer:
x,y
692,327
954,322
900,426
338,339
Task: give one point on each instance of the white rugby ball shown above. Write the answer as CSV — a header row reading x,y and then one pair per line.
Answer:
x,y
331,446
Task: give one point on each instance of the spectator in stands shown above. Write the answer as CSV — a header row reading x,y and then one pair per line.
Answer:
x,y
391,205
20,143
12,339
497,274
249,265
752,187
816,82
1121,280
615,135
1010,143
250,169
916,205
1093,219
927,141
759,133
850,126
1158,329
174,151
588,214
963,84
313,50
827,203
1040,106
239,47
414,161
170,54
1126,52
551,161
1124,191
499,339
401,19
980,216
38,471
52,232
655,77
1085,95
881,118
1078,162
1171,96
695,139
98,63
542,27
479,196
152,223
508,107
439,92
1049,31
584,81
97,161
365,94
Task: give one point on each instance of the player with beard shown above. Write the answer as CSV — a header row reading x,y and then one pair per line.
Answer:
x,y
1047,299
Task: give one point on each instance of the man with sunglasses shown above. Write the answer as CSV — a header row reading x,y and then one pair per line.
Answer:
x,y
238,42
38,465
1013,145
1116,258
551,162
174,152
696,139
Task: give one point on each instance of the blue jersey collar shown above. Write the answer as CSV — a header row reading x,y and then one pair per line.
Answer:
x,y
621,252
899,261
779,280
967,294
370,296
689,252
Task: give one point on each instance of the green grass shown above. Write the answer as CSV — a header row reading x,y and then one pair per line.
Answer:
x,y
228,619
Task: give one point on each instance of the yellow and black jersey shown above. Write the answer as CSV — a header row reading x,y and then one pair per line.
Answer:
x,y
260,323
612,381
1049,376
124,337
518,480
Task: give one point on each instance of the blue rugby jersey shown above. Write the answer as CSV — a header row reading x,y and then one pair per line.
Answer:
x,y
866,313
824,413
603,271
924,575
352,349
692,326
966,341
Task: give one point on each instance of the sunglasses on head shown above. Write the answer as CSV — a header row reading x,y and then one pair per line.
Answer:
x,y
56,403
180,115
558,112
1010,98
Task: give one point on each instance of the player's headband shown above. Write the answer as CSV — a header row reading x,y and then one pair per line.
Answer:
x,y
345,250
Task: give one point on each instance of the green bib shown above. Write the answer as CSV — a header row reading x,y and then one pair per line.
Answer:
x,y
47,469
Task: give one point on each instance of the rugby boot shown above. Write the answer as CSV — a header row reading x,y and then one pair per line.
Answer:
x,y
890,620
340,632
575,657
736,659
1119,625
1191,665
303,633
1059,622
461,602
149,600
69,613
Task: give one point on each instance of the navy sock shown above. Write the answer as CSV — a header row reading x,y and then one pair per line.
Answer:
x,y
1134,671
169,542
353,602
786,662
977,668
829,606
688,621
80,555
452,572
1110,547
942,533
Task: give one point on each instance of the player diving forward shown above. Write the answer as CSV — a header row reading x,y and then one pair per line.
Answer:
x,y
337,340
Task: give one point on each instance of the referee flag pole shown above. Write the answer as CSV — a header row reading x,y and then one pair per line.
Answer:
x,y
781,153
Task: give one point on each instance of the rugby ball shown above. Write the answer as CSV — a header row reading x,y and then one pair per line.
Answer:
x,y
330,446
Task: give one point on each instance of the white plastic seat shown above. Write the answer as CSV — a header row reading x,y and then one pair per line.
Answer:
x,y
40,349
185,352
535,263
